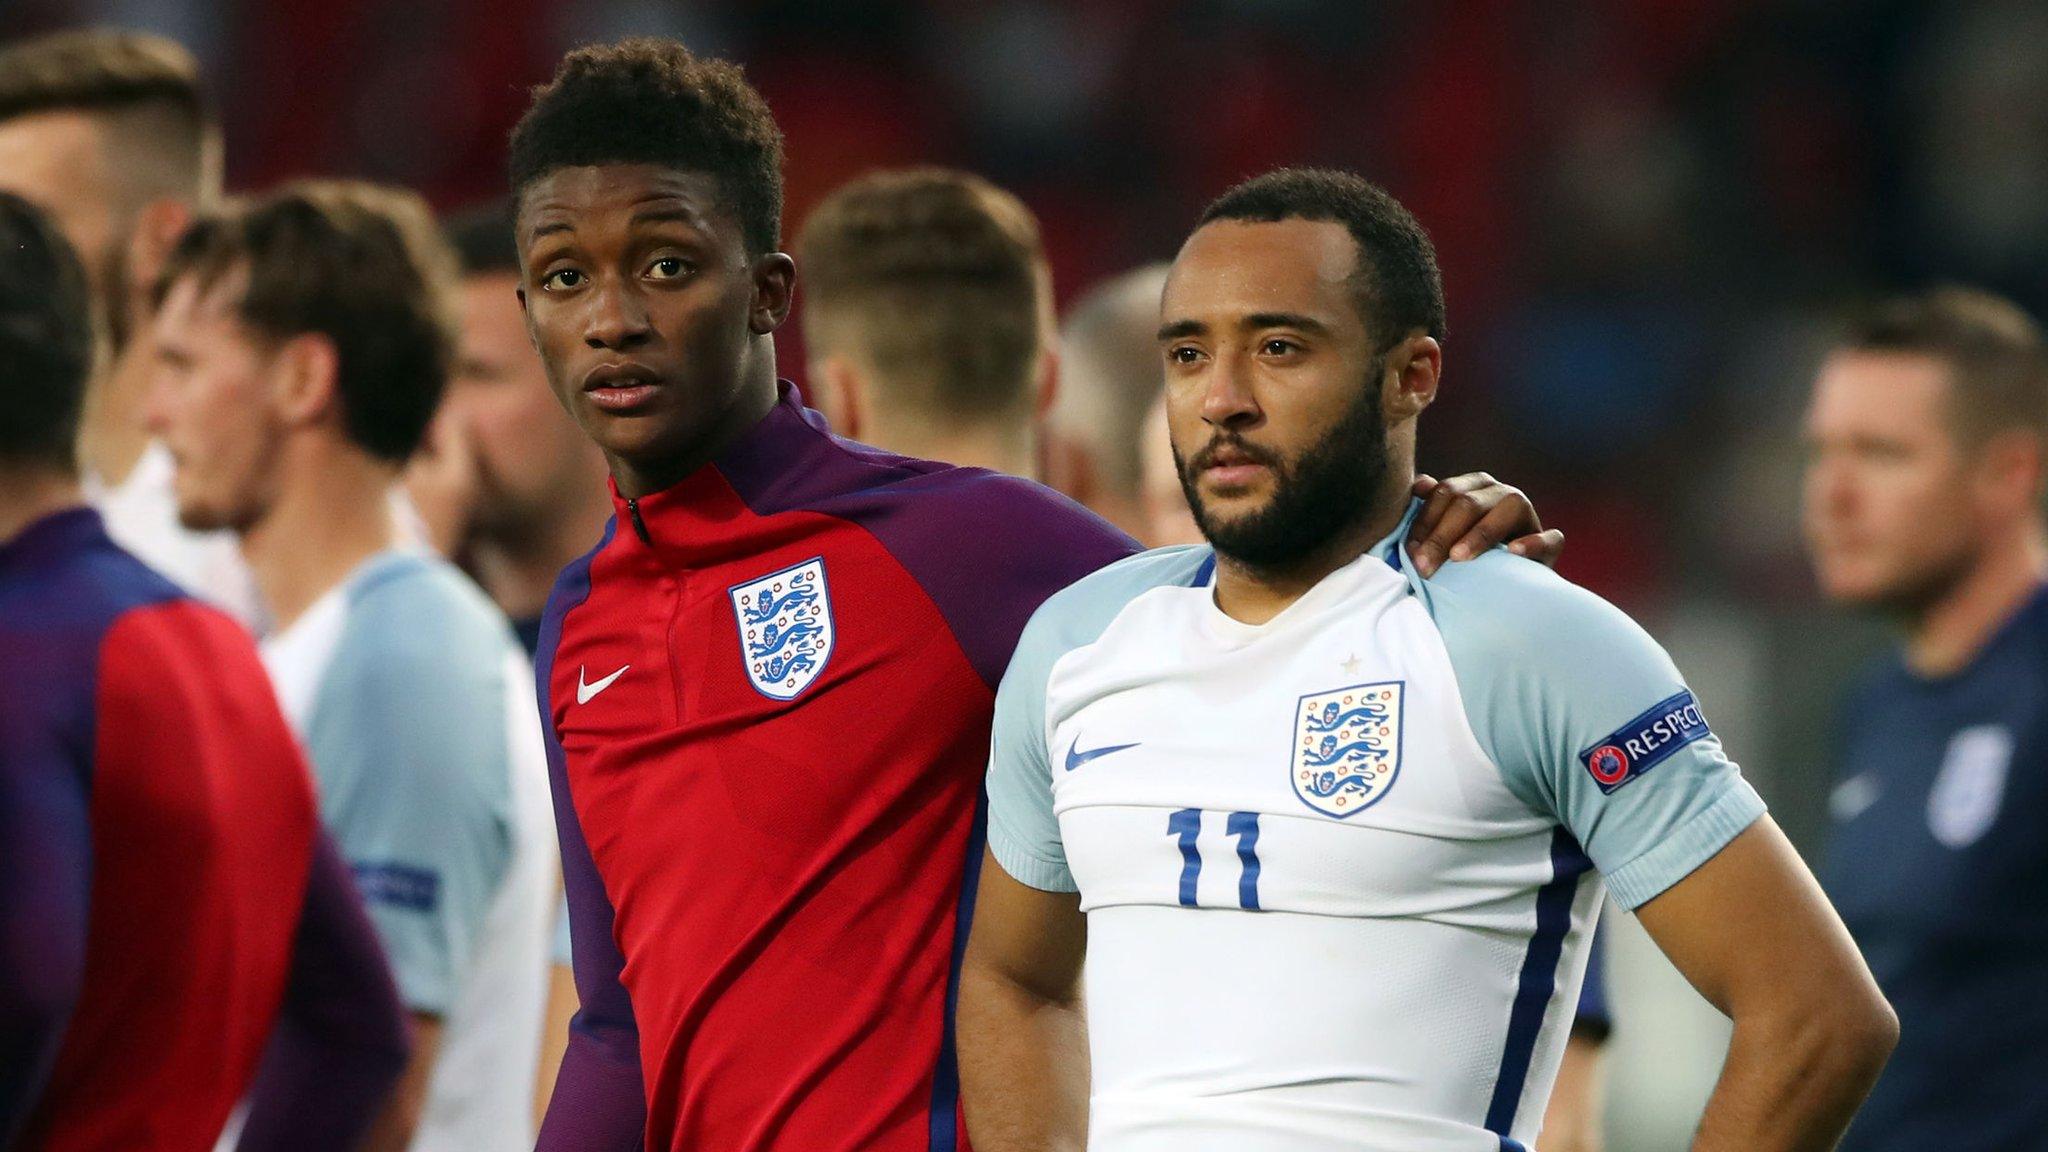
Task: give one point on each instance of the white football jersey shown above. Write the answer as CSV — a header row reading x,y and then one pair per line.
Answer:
x,y
1339,869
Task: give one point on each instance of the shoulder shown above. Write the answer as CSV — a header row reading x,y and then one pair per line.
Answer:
x,y
418,640
1078,614
1509,614
421,605
1018,531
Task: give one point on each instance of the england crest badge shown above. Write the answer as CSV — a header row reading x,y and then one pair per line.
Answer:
x,y
786,634
1347,747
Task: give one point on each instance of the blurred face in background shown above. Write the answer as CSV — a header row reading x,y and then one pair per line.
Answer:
x,y
1272,387
59,160
218,404
530,456
1895,514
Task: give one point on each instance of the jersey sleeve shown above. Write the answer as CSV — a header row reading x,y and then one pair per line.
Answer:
x,y
1590,722
45,876
1023,833
340,1041
600,1100
425,824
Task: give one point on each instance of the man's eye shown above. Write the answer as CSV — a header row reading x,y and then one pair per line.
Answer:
x,y
1183,355
668,268
1279,347
561,278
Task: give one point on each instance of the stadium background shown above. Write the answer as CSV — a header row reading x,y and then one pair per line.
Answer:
x,y
1647,212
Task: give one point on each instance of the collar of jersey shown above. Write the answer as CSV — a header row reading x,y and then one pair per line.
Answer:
x,y
1382,567
695,518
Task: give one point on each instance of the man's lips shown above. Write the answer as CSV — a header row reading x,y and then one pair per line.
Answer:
x,y
621,387
1230,465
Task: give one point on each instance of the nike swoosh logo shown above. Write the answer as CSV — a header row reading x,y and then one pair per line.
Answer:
x,y
585,691
1076,757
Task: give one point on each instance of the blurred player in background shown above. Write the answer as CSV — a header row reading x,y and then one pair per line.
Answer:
x,y
1261,972
770,686
112,133
511,488
517,489
927,314
168,904
1109,378
305,339
1928,462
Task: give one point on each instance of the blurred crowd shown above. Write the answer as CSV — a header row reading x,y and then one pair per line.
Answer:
x,y
1643,210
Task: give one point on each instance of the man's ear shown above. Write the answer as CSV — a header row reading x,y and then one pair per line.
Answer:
x,y
838,390
1048,383
1413,368
306,379
157,228
774,292
2014,468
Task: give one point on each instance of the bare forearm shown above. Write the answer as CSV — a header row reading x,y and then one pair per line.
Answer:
x,y
1794,1086
1023,1067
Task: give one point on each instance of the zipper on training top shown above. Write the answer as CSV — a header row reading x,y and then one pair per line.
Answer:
x,y
639,525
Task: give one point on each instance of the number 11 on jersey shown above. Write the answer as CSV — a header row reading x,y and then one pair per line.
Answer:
x,y
1242,827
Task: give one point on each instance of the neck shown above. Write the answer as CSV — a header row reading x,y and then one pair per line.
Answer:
x,y
751,404
333,513
519,573
1947,635
1005,447
1254,595
111,433
28,494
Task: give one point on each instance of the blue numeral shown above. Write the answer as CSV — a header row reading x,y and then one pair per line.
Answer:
x,y
1245,826
1187,825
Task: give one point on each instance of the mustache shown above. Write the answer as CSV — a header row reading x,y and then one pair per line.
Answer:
x,y
1236,445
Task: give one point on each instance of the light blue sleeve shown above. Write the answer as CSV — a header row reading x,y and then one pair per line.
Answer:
x,y
1023,833
410,739
1588,720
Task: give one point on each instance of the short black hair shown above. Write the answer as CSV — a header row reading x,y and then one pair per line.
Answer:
x,y
649,100
362,265
484,238
46,338
1400,289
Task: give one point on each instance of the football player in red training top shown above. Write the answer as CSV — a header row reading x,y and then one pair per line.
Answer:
x,y
167,903
768,690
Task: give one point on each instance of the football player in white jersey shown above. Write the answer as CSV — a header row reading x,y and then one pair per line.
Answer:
x,y
1323,827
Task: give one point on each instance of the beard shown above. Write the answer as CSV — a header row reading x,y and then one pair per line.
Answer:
x,y
1316,496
